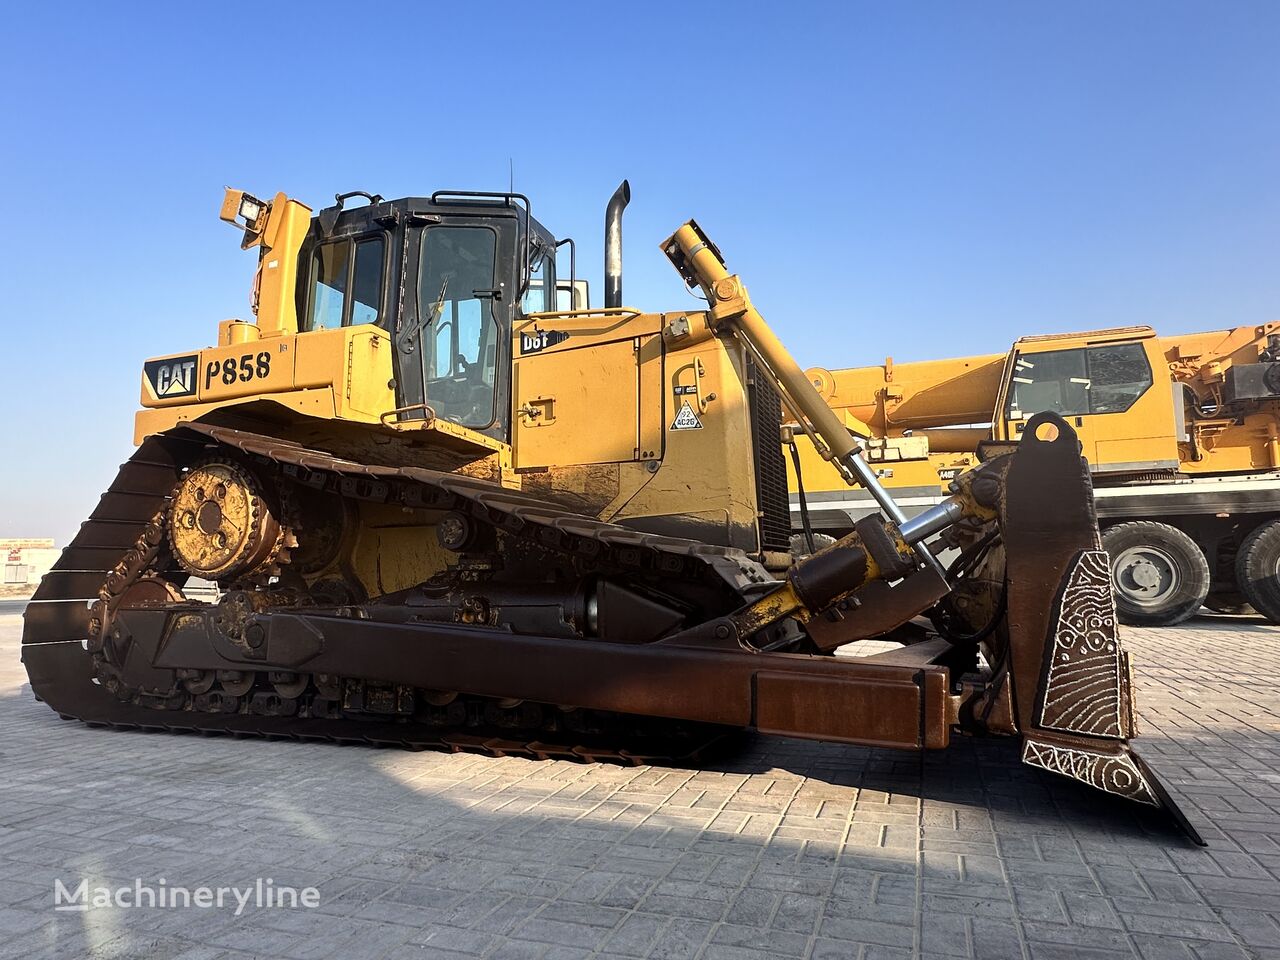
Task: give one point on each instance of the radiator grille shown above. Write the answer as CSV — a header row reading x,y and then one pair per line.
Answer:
x,y
773,502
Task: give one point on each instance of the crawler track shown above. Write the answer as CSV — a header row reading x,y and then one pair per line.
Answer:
x,y
118,544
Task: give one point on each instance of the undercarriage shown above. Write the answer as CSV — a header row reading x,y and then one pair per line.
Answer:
x,y
513,625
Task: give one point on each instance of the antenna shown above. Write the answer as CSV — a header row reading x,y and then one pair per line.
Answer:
x,y
511,169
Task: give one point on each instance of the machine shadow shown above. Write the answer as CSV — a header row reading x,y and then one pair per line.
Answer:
x,y
423,852
974,774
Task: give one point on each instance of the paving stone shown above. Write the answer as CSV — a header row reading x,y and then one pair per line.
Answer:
x,y
944,934
753,938
1068,951
797,913
753,908
860,930
681,940
995,939
518,950
635,935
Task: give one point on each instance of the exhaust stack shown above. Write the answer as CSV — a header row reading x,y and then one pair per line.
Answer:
x,y
613,245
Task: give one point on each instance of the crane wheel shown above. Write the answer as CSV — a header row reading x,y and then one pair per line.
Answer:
x,y
1160,575
1228,602
1258,569
800,549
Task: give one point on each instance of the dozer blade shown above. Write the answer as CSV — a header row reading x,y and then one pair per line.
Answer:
x,y
1071,685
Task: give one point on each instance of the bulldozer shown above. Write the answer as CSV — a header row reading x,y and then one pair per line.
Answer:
x,y
443,509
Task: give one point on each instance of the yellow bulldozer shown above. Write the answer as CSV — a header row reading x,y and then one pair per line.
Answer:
x,y
440,511
1182,436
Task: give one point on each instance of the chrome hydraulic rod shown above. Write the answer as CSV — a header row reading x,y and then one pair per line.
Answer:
x,y
934,520
866,476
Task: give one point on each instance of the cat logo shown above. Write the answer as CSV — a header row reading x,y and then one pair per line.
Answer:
x,y
541,339
171,377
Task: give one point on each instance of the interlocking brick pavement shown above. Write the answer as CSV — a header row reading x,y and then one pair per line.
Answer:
x,y
789,849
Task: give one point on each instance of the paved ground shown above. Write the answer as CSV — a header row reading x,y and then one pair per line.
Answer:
x,y
788,850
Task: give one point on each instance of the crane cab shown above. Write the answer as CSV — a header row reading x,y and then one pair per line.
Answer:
x,y
1090,379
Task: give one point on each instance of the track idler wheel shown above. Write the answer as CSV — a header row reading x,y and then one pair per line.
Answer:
x,y
224,524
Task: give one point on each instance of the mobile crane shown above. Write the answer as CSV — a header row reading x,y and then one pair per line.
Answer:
x,y
1182,435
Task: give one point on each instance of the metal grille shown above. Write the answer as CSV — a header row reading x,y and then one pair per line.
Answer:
x,y
773,501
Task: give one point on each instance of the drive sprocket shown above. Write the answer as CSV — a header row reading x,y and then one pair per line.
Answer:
x,y
225,524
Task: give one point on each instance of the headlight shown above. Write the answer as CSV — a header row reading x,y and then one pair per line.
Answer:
x,y
250,210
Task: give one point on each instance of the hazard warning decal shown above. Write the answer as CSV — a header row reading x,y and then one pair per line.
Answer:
x,y
171,377
686,419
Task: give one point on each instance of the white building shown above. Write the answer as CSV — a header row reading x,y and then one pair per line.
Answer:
x,y
26,560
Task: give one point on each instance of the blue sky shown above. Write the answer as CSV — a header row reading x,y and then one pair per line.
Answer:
x,y
914,179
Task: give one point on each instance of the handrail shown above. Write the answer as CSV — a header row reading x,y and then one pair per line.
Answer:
x,y
425,407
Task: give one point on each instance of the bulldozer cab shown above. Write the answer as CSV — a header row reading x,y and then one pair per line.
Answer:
x,y
445,277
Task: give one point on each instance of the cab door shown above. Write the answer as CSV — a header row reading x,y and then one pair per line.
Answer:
x,y
1107,390
453,341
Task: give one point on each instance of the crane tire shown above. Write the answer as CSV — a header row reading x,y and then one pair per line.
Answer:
x,y
1159,574
800,549
1228,602
1258,569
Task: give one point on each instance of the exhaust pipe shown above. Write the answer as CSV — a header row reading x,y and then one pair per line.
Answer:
x,y
613,245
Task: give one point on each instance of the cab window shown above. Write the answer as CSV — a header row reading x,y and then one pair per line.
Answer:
x,y
456,294
1103,379
535,299
346,283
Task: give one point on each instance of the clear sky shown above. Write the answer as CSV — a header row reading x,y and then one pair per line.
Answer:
x,y
914,179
